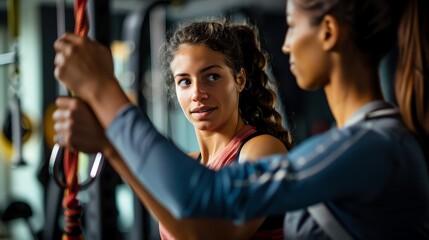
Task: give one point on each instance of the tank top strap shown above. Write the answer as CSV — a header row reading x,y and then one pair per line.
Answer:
x,y
255,134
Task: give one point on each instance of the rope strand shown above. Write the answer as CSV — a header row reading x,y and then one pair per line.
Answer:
x,y
81,19
72,207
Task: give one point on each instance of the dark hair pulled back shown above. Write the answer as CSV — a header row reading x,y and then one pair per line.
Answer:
x,y
377,27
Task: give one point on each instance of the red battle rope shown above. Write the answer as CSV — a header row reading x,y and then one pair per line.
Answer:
x,y
72,207
81,19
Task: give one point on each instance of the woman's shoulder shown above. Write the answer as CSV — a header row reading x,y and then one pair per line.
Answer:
x,y
261,146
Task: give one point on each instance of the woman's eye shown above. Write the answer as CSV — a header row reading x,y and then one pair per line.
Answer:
x,y
183,82
290,26
213,77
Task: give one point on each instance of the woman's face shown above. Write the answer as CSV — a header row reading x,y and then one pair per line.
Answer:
x,y
205,87
308,61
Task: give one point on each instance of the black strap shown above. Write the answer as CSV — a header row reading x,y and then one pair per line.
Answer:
x,y
271,222
255,134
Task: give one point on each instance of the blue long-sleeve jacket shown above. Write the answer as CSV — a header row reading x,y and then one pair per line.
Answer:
x,y
371,174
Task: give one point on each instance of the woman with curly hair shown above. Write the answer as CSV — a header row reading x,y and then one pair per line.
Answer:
x,y
217,71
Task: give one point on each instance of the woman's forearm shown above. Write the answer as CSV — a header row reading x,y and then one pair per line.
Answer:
x,y
107,101
180,228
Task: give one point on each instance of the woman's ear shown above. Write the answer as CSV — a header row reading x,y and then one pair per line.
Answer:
x,y
329,32
241,79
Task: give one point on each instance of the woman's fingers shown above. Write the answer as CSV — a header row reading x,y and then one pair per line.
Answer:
x,y
83,65
76,126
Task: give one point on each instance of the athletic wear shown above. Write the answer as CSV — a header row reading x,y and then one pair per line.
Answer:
x,y
272,226
371,174
231,151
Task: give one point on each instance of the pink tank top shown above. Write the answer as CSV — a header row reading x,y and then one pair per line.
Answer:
x,y
229,153
223,158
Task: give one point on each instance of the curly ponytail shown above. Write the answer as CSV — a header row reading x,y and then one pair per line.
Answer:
x,y
257,100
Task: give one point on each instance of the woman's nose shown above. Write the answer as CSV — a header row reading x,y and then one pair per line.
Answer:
x,y
199,92
286,45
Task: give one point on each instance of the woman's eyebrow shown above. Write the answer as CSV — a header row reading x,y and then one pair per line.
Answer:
x,y
210,67
201,71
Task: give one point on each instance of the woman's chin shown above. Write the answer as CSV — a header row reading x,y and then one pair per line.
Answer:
x,y
307,85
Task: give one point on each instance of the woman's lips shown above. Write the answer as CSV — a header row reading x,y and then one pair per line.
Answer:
x,y
292,66
203,112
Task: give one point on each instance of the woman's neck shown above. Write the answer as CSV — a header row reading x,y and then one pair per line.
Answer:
x,y
353,84
212,142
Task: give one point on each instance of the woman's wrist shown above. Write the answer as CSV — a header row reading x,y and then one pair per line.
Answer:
x,y
109,151
106,100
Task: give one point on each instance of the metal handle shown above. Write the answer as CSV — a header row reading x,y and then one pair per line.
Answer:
x,y
54,167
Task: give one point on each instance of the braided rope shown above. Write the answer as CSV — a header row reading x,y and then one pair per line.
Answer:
x,y
72,207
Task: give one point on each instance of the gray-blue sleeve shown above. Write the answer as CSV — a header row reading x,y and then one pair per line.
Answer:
x,y
322,168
